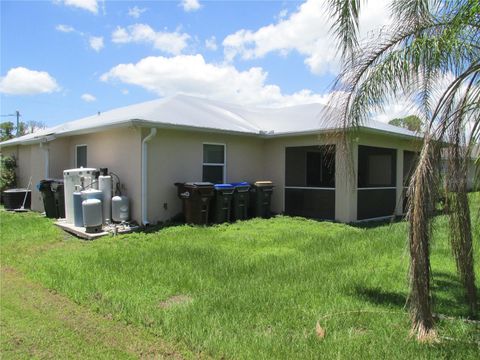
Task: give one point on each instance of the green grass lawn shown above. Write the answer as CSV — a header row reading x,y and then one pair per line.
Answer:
x,y
253,289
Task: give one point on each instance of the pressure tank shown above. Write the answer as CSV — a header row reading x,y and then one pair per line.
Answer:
x,y
77,209
71,178
120,209
105,186
92,215
92,194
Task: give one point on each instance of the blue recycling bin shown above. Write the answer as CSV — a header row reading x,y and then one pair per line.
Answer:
x,y
222,203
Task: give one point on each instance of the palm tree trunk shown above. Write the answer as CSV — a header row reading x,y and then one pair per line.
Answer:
x,y
460,224
421,200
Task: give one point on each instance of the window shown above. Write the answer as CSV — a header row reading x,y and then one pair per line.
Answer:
x,y
81,156
376,167
214,163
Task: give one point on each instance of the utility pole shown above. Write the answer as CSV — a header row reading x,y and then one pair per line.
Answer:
x,y
18,122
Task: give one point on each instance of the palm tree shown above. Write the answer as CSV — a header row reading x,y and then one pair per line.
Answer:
x,y
431,42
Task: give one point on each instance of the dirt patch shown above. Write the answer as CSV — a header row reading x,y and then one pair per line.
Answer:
x,y
8,270
56,314
174,301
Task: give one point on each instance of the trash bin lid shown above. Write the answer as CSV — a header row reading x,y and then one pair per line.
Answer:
x,y
263,183
223,186
243,183
16,191
199,184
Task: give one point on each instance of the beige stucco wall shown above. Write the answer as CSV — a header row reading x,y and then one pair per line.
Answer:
x,y
119,151
30,163
177,156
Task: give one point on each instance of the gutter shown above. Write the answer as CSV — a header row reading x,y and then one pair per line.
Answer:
x,y
153,132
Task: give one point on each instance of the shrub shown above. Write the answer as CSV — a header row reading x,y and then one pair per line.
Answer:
x,y
8,178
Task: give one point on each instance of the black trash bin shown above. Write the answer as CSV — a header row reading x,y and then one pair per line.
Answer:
x,y
240,201
221,203
59,195
45,188
196,198
261,196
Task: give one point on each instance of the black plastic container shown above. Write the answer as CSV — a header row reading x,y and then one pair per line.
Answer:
x,y
13,199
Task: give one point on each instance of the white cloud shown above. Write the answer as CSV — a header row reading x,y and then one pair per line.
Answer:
x,y
306,31
96,43
190,74
211,43
397,108
190,5
125,92
22,81
64,28
282,14
89,5
88,97
136,12
169,42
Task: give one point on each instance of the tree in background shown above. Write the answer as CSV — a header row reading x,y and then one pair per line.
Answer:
x,y
7,130
411,122
430,53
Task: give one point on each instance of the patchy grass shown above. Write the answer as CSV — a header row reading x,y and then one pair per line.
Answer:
x,y
37,323
254,289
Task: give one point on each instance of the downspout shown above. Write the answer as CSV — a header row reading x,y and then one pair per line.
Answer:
x,y
153,132
46,151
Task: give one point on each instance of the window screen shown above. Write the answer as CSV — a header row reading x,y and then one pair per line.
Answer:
x,y
213,154
310,166
213,163
410,160
81,156
376,167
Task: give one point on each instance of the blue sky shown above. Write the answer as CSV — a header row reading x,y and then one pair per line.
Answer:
x,y
65,59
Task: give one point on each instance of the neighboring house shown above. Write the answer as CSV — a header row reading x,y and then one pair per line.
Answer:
x,y
185,138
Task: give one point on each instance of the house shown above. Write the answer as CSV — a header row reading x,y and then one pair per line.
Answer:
x,y
152,145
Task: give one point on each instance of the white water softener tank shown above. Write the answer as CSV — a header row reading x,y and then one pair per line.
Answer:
x,y
105,186
81,177
92,215
120,209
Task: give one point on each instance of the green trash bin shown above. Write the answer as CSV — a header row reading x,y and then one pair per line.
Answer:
x,y
221,203
240,201
261,196
196,198
45,188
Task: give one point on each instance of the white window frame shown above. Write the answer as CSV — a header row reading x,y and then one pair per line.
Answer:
x,y
76,154
224,173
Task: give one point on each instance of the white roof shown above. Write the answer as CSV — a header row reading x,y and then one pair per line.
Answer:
x,y
188,112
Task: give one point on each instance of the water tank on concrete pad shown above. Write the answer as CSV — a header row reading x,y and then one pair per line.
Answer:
x,y
72,177
120,209
92,215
